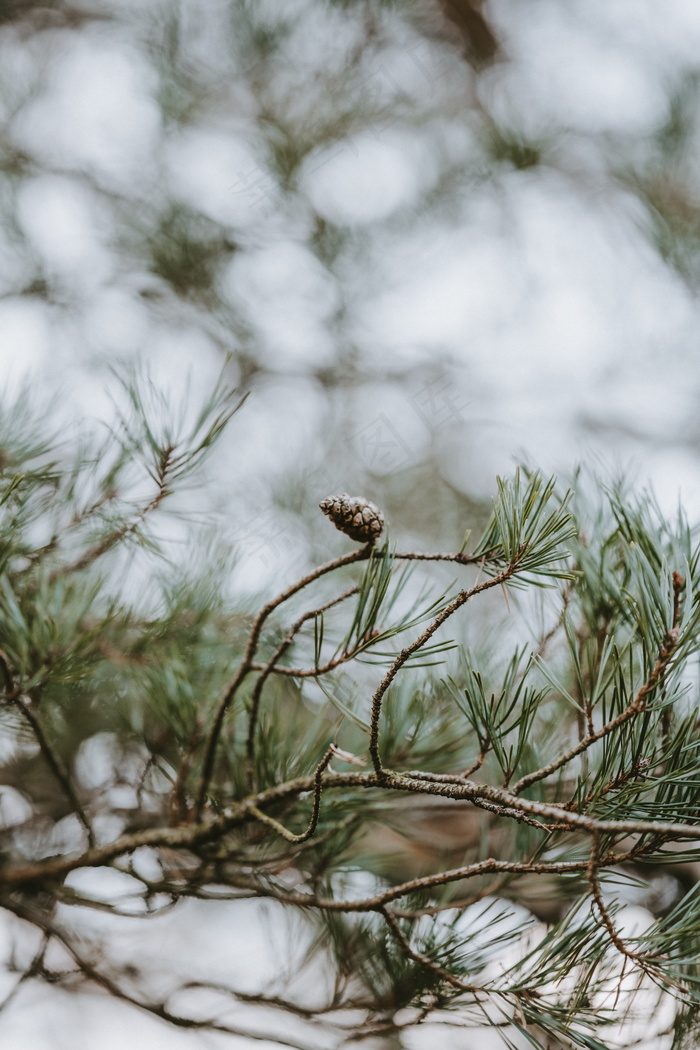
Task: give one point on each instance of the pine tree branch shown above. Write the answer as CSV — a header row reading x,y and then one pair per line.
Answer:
x,y
127,528
505,800
443,878
248,663
269,667
193,835
79,517
315,811
377,700
187,836
637,706
454,556
14,696
248,658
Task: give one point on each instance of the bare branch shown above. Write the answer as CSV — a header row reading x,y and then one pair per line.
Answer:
x,y
92,973
313,822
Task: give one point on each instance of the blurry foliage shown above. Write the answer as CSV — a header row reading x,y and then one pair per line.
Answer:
x,y
44,13
297,84
507,147
664,178
187,251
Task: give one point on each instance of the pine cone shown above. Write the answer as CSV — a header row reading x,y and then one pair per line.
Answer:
x,y
356,517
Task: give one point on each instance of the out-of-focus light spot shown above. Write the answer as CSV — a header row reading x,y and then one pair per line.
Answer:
x,y
572,73
282,418
104,884
61,221
365,179
183,363
665,36
96,112
672,472
14,807
116,322
287,295
448,288
220,176
25,341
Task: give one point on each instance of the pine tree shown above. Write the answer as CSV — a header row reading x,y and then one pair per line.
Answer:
x,y
260,767
414,808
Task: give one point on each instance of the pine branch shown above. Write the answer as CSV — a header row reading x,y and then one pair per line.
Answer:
x,y
413,647
623,617
13,695
637,706
127,528
270,666
246,665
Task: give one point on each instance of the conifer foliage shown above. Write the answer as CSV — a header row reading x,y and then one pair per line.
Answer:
x,y
575,758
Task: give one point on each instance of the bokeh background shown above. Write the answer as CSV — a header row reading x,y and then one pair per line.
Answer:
x,y
429,237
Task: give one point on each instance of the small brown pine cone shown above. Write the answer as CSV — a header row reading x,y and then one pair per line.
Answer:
x,y
356,517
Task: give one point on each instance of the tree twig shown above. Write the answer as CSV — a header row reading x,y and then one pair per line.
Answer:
x,y
14,696
267,668
637,705
248,657
127,528
457,602
315,811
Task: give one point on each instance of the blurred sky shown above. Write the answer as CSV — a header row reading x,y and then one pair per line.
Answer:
x,y
404,292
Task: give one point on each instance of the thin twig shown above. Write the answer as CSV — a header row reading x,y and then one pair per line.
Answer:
x,y
458,557
35,968
314,672
248,656
267,668
14,696
91,973
425,882
637,705
54,763
315,810
80,516
127,528
596,893
457,602
8,676
178,801
423,960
